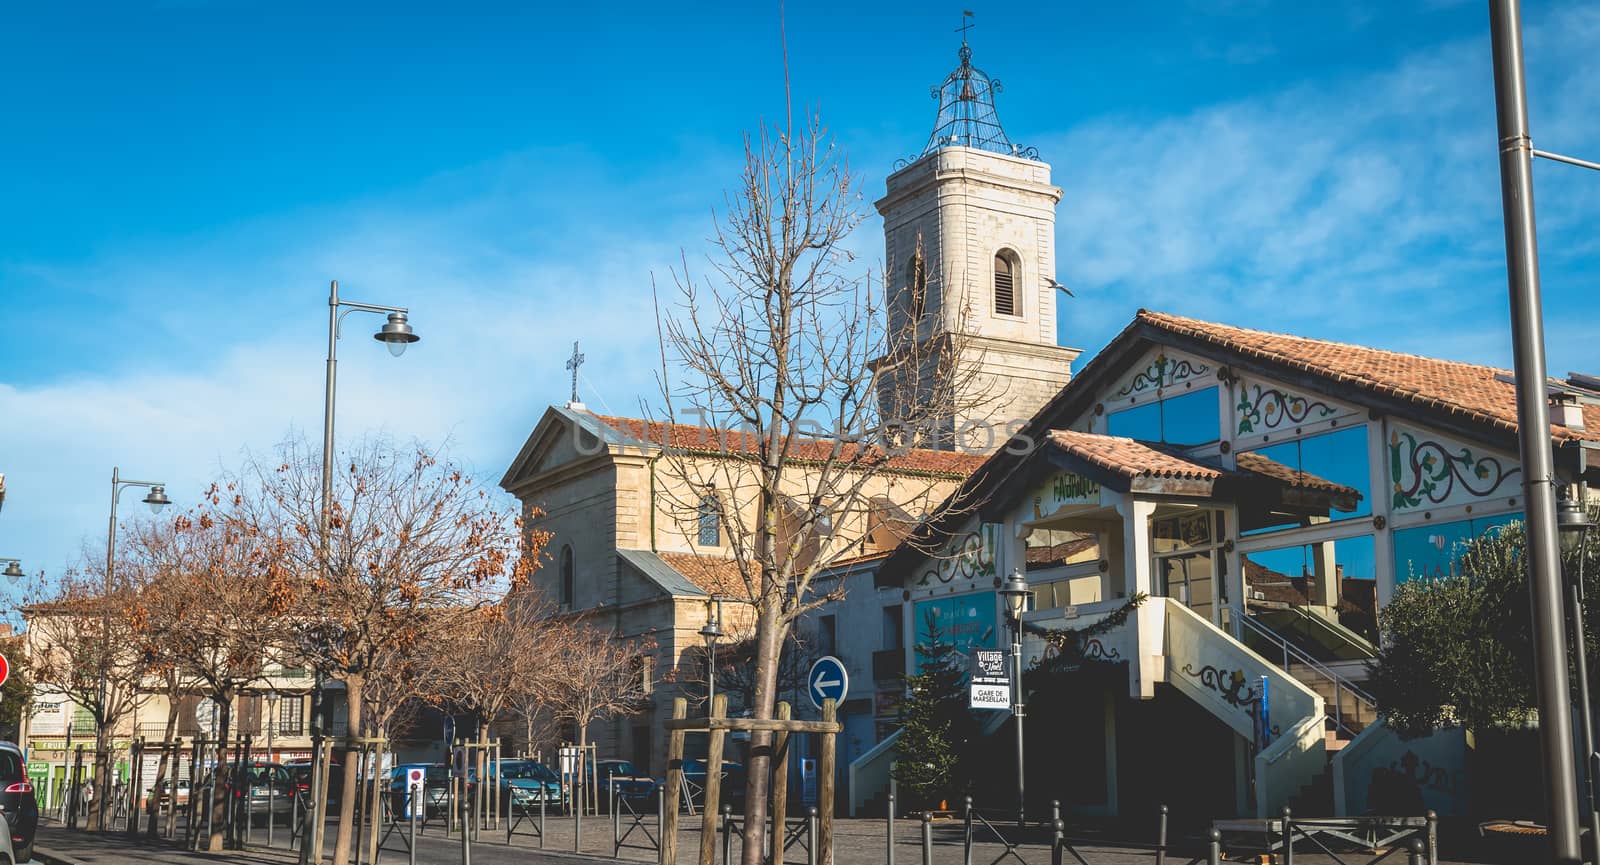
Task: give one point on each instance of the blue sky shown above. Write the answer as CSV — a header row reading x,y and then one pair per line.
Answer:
x,y
179,180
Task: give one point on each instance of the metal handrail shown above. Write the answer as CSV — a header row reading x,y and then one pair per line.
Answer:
x,y
1340,683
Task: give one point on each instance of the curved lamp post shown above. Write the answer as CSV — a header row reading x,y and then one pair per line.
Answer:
x,y
1015,595
396,333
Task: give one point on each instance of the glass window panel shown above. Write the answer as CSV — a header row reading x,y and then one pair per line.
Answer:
x,y
1341,458
1052,548
1141,422
1321,479
1431,551
1320,596
1188,579
1191,419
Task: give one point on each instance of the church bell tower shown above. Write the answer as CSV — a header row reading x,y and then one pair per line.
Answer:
x,y
969,235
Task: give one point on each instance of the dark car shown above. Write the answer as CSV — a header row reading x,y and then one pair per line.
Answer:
x,y
17,802
435,787
626,778
694,776
300,773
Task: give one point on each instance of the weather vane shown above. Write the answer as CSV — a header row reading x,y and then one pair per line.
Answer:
x,y
573,363
966,24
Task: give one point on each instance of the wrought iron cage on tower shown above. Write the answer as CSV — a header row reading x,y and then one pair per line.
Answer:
x,y
966,113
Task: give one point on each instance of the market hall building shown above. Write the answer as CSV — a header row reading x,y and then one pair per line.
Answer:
x,y
1267,493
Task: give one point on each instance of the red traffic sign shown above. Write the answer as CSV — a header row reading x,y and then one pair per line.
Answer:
x,y
5,669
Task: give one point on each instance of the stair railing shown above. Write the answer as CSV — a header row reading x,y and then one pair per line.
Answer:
x,y
1341,685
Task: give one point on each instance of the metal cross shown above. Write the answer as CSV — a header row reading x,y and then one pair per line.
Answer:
x,y
966,24
573,363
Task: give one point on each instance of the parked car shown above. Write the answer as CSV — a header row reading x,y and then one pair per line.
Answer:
x,y
435,787
300,773
525,783
269,788
694,772
164,792
627,779
17,803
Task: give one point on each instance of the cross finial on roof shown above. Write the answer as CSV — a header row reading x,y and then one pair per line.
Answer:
x,y
573,363
966,24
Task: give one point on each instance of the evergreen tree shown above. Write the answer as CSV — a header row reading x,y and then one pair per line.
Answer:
x,y
935,724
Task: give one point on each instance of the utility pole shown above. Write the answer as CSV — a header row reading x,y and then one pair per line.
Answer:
x,y
1533,424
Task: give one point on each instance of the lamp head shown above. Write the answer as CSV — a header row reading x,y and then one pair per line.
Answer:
x,y
396,334
711,633
1015,594
14,570
1572,521
157,499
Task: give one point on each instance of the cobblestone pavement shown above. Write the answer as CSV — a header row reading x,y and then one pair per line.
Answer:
x,y
857,842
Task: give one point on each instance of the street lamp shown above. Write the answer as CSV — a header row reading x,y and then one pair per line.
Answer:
x,y
156,499
1015,594
13,569
396,333
1572,523
711,633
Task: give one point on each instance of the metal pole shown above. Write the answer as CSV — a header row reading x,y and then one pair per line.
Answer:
x,y
1533,423
272,776
1215,853
1016,710
330,387
1161,838
417,802
927,838
1585,718
890,821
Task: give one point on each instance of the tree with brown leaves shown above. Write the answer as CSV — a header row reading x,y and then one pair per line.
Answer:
x,y
219,605
406,536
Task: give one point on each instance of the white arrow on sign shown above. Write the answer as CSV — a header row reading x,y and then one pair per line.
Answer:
x,y
828,679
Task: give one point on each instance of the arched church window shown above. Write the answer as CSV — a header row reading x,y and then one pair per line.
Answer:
x,y
917,286
709,532
568,577
1005,282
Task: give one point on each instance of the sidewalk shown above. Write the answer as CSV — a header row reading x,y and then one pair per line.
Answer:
x,y
856,842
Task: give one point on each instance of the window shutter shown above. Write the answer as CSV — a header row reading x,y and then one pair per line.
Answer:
x,y
1005,294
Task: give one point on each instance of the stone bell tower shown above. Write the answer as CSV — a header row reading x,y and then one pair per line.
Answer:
x,y
969,234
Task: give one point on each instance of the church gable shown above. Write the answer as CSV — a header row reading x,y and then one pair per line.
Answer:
x,y
562,438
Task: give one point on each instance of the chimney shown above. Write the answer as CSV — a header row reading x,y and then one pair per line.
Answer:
x,y
1566,411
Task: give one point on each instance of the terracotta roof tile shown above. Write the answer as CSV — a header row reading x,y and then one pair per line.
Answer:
x,y
1466,390
1130,458
715,574
698,438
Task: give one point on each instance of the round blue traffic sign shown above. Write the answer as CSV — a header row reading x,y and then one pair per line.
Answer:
x,y
827,681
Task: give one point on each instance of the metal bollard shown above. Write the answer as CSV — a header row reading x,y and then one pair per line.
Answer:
x,y
727,834
616,820
1215,854
543,797
1414,854
1433,837
1161,838
577,818
466,837
1058,841
927,838
661,826
812,852
890,821
1055,811
1288,837
418,801
966,856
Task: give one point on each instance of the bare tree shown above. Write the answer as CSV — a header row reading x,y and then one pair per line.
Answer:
x,y
594,675
408,535
818,389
